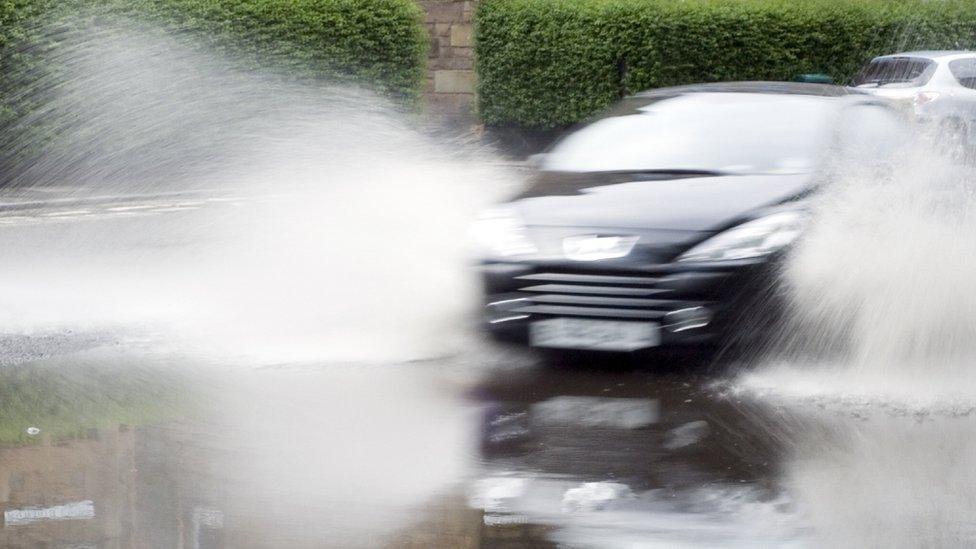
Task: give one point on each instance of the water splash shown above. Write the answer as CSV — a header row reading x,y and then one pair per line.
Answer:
x,y
312,225
324,222
881,287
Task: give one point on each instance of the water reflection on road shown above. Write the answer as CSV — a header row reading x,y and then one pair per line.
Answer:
x,y
625,459
453,453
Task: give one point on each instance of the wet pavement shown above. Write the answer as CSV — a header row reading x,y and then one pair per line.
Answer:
x,y
447,453
114,439
137,449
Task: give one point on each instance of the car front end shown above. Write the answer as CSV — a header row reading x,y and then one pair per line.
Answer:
x,y
620,290
662,222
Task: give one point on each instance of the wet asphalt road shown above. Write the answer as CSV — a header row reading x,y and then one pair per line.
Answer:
x,y
145,449
124,440
453,452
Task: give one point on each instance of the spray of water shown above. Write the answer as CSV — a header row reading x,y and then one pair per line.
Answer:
x,y
880,287
298,225
320,221
872,385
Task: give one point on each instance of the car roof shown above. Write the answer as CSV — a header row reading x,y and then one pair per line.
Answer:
x,y
825,93
769,88
930,54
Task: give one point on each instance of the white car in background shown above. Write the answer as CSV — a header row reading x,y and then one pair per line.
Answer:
x,y
939,87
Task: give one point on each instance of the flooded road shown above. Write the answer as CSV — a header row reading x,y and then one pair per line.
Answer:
x,y
132,447
443,453
124,423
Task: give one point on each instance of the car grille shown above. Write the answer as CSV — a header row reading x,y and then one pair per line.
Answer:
x,y
596,295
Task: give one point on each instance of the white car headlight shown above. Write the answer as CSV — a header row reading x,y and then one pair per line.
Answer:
x,y
499,232
756,238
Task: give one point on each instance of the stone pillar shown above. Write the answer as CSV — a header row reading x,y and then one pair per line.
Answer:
x,y
450,86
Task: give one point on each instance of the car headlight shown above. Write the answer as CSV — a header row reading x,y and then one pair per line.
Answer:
x,y
499,232
752,239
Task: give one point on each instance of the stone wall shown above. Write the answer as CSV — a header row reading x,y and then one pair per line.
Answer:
x,y
450,86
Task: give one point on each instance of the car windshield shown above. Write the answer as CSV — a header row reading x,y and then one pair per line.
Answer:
x,y
728,133
903,71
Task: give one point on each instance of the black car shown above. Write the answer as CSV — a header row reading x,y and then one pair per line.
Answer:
x,y
661,222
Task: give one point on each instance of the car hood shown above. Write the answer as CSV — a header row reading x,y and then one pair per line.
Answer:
x,y
697,204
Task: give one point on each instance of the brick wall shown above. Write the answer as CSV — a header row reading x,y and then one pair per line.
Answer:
x,y
450,86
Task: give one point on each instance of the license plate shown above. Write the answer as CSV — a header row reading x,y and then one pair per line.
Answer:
x,y
596,335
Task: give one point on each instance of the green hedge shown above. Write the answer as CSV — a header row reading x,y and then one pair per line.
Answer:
x,y
550,63
378,43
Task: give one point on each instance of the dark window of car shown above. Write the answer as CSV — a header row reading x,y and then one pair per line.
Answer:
x,y
896,72
965,71
734,133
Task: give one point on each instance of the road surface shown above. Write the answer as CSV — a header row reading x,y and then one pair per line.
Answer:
x,y
120,431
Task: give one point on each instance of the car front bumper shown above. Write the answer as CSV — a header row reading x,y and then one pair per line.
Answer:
x,y
693,304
